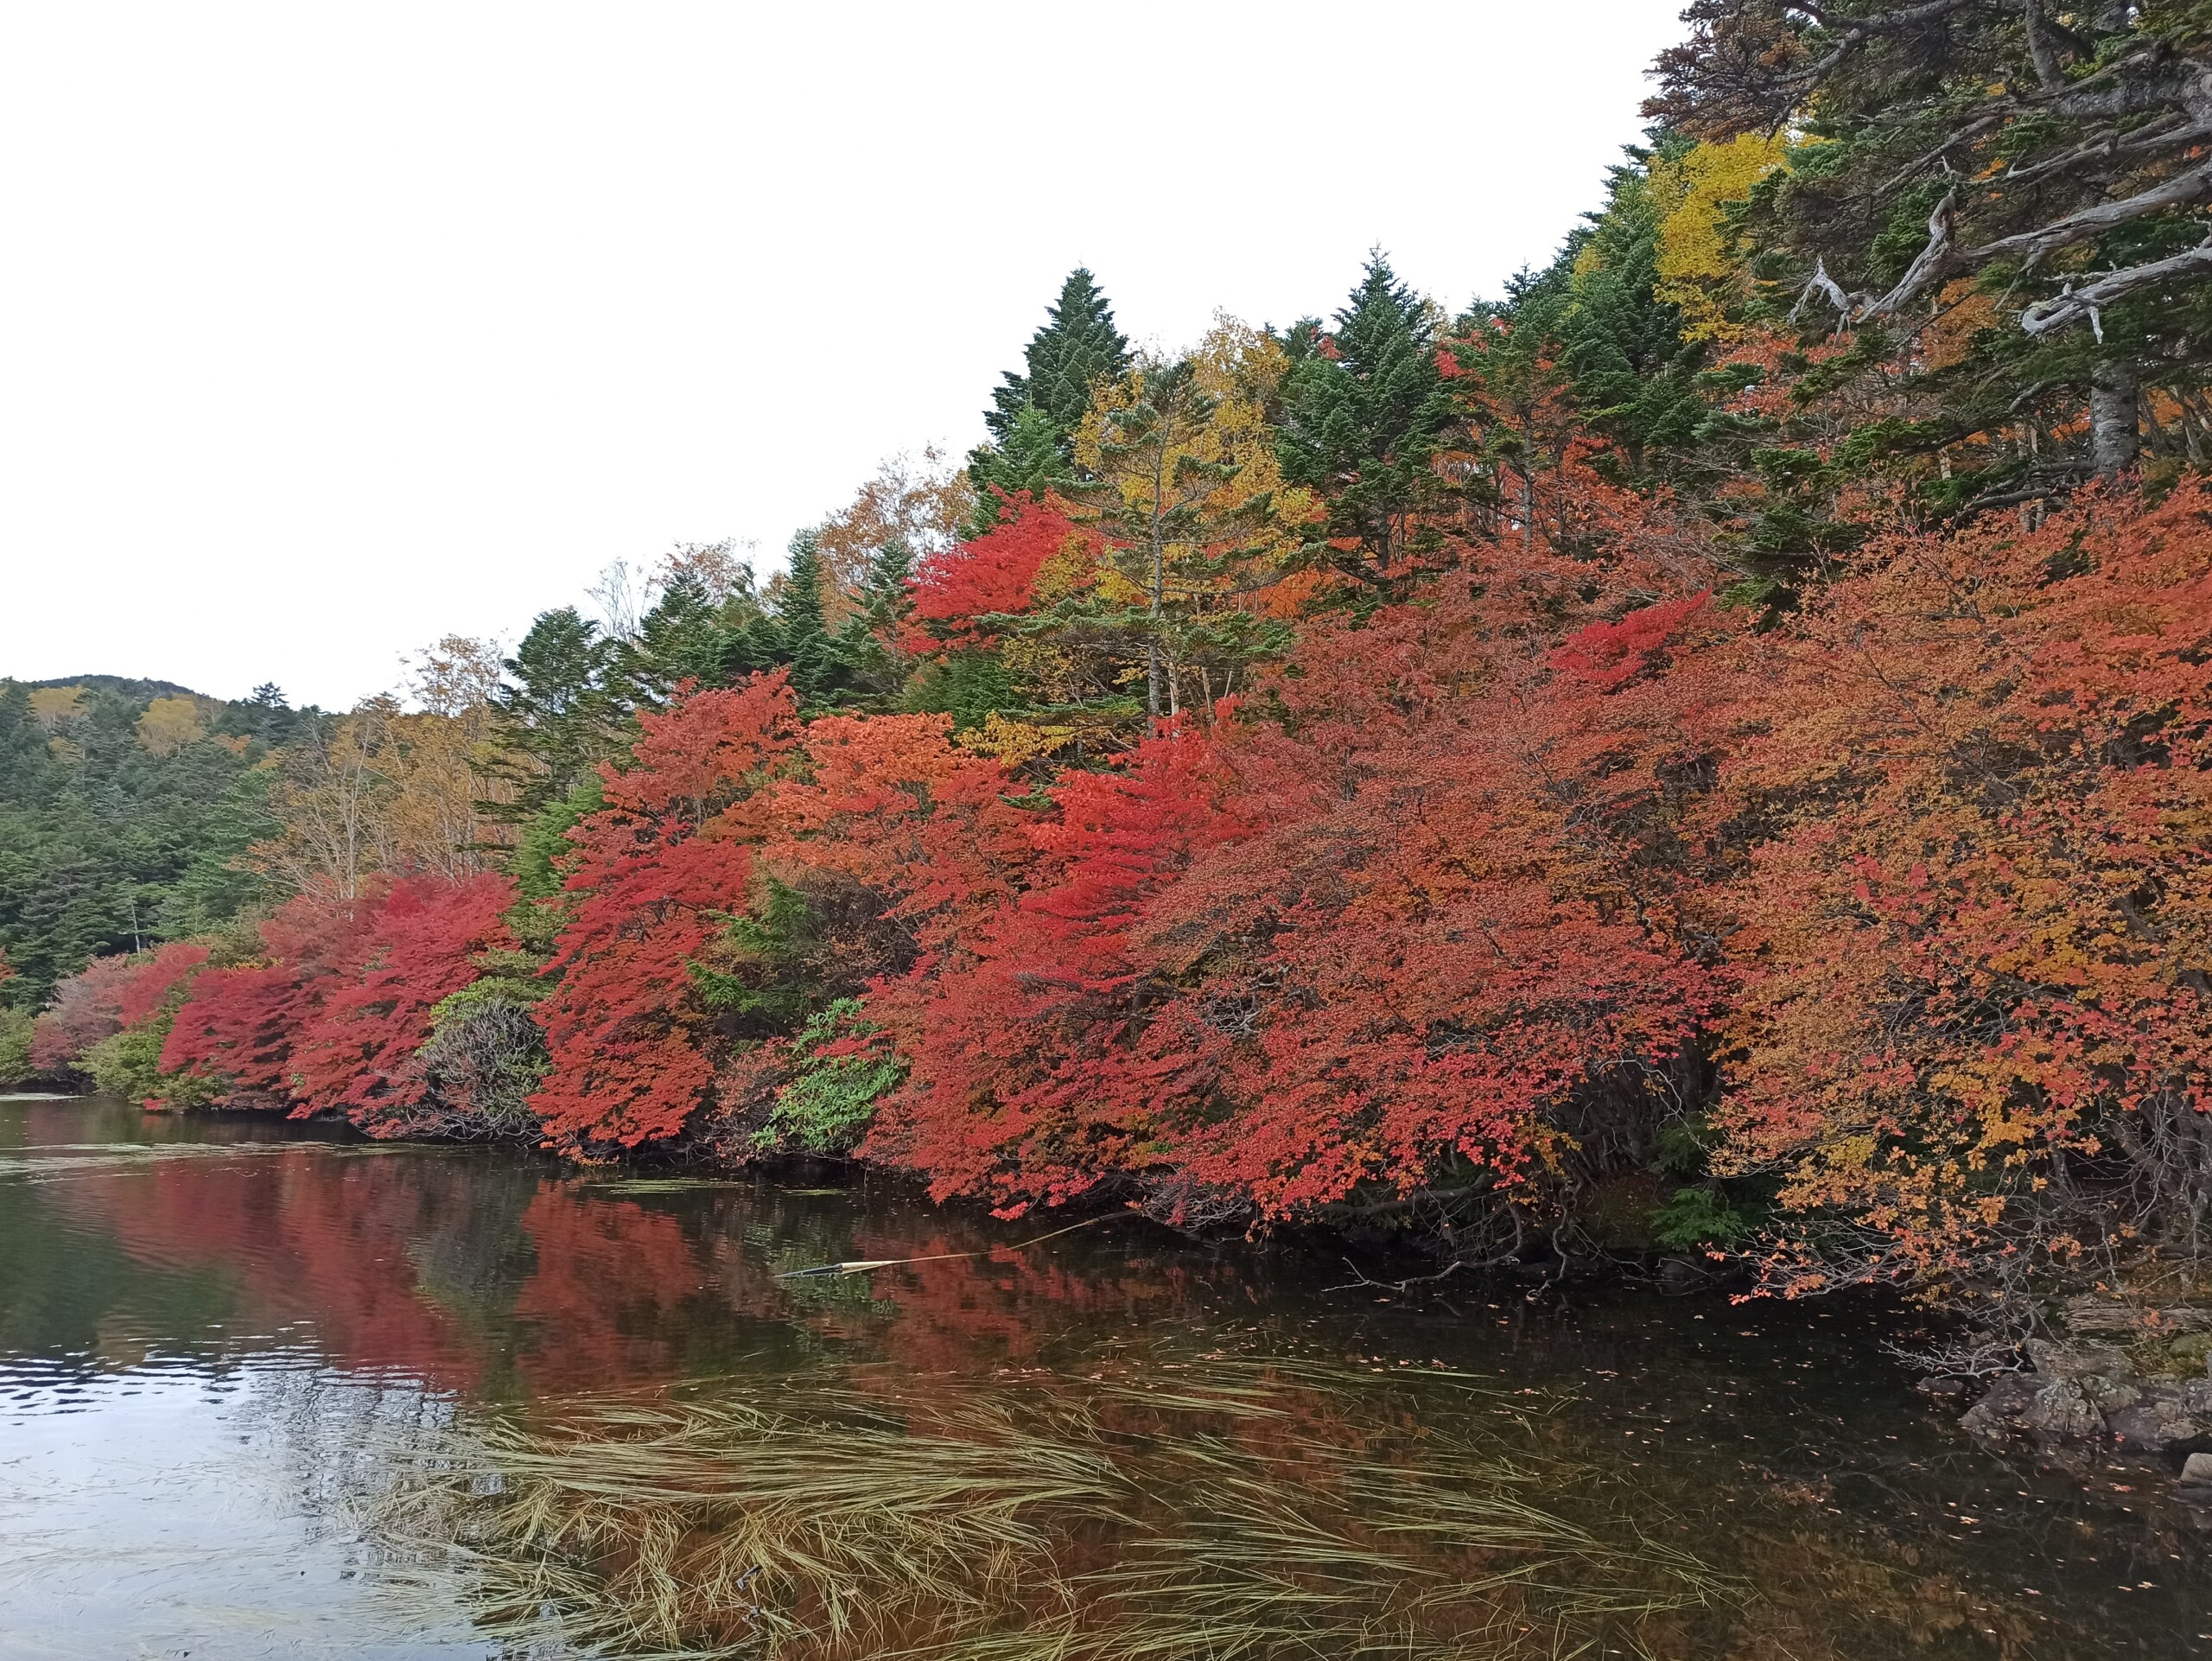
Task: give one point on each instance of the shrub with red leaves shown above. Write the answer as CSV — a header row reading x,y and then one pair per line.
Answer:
x,y
332,1023
653,876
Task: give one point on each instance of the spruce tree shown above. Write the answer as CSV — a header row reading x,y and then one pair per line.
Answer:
x,y
869,637
556,715
1634,374
1029,458
685,637
819,669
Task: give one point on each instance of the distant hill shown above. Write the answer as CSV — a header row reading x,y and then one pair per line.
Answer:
x,y
122,683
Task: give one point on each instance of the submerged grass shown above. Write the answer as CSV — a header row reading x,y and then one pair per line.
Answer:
x,y
1238,1512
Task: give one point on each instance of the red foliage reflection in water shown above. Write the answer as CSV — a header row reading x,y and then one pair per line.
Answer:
x,y
477,1271
305,1239
606,1294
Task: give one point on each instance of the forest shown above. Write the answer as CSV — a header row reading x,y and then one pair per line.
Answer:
x,y
1709,752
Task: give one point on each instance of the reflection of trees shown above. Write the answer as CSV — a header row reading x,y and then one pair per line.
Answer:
x,y
428,1276
310,1236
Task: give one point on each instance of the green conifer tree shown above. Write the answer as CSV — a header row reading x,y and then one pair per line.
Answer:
x,y
869,636
820,669
557,716
1078,347
1363,411
1034,414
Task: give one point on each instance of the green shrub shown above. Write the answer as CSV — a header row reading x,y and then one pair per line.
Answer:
x,y
1693,1218
830,1100
15,1047
128,1063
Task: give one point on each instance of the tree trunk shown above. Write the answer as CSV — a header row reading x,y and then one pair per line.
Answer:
x,y
1153,676
2115,420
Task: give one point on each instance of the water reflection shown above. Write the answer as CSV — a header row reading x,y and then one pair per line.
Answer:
x,y
240,1368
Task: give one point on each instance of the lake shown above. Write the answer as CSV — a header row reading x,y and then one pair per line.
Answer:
x,y
266,1391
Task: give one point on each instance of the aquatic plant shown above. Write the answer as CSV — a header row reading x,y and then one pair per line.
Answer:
x,y
1231,1510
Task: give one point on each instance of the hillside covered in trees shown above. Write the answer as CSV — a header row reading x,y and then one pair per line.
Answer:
x,y
1712,749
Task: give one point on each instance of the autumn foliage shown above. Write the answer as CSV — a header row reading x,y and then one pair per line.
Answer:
x,y
333,1021
994,574
1541,850
1977,915
654,872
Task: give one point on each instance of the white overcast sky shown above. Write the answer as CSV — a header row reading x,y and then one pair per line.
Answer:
x,y
328,330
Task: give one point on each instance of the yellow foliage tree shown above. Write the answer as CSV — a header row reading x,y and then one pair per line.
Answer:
x,y
1690,195
382,788
56,708
1181,481
169,724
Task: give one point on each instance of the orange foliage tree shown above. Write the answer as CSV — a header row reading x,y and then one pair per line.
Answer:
x,y
1976,1027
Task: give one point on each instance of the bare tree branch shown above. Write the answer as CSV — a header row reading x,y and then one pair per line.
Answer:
x,y
2075,304
1932,261
1864,29
1821,283
2180,191
2111,146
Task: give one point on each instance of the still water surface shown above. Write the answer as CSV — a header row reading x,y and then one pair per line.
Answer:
x,y
267,1393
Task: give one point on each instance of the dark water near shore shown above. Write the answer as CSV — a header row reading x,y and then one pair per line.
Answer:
x,y
229,1352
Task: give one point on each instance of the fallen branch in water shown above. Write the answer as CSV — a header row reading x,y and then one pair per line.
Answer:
x,y
862,1265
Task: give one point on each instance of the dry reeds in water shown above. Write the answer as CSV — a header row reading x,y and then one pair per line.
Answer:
x,y
1235,1513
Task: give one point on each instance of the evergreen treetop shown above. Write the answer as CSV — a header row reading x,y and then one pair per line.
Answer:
x,y
1078,347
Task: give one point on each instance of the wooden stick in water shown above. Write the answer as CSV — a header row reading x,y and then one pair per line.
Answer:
x,y
862,1265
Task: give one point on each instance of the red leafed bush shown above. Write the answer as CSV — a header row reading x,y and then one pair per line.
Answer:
x,y
332,1023
1424,915
85,1008
413,943
1033,1069
1609,655
1464,949
995,573
237,1030
148,987
653,874
236,1033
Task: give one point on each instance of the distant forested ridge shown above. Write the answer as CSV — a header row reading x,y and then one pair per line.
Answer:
x,y
125,809
1711,749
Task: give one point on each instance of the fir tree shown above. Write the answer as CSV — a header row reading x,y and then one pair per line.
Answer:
x,y
1362,411
1033,416
869,637
557,716
1078,348
1634,374
684,638
1030,458
818,665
